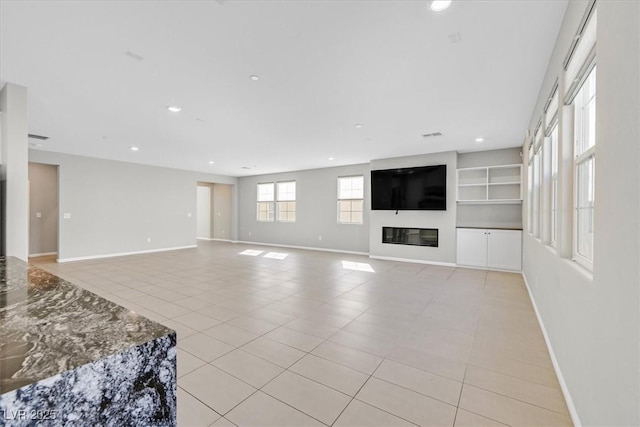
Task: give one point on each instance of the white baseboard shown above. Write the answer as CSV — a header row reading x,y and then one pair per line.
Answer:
x,y
415,261
489,269
204,238
563,385
221,240
42,254
307,248
84,258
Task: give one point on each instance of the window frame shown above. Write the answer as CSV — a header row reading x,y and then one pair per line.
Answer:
x,y
582,156
554,184
280,202
538,144
530,189
351,200
270,204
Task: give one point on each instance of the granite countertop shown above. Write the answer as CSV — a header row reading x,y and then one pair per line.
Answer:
x,y
49,326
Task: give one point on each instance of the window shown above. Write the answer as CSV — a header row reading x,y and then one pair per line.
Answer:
x,y
350,200
287,201
551,121
530,189
537,180
554,185
265,202
584,168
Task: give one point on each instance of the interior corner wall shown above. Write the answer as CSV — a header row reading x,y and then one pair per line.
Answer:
x,y
43,209
14,170
593,320
444,221
114,207
316,223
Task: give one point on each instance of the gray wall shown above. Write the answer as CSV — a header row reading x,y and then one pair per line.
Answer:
x,y
316,211
506,156
445,221
116,206
221,211
13,172
43,200
592,319
496,215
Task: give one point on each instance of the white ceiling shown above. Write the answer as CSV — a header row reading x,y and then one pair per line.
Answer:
x,y
323,66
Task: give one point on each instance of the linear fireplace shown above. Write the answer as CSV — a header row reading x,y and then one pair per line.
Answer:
x,y
410,236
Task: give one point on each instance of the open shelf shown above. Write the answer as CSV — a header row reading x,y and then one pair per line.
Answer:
x,y
490,184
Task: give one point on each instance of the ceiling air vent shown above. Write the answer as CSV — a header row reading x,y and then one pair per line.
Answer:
x,y
431,135
38,137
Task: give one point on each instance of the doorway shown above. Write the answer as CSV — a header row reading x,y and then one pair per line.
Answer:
x,y
43,209
214,211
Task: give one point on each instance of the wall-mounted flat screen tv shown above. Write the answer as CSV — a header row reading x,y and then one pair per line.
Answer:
x,y
420,188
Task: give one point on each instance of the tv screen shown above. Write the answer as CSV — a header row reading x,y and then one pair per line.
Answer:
x,y
421,188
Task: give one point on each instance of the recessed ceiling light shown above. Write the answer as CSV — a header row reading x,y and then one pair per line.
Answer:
x,y
479,139
211,162
331,158
134,148
358,125
254,77
367,140
174,108
440,5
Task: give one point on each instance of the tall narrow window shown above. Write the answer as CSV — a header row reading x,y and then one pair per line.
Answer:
x,y
551,121
554,185
350,199
287,201
265,202
530,190
537,180
584,169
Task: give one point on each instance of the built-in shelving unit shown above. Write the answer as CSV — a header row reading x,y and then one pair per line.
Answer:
x,y
490,184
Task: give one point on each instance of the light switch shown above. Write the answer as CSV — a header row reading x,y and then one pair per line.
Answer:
x,y
67,216
189,215
219,213
38,214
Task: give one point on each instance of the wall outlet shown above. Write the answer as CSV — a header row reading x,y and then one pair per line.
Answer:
x,y
66,216
319,237
148,239
38,214
219,213
249,233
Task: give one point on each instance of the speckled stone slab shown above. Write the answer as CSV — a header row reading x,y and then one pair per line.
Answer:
x,y
70,357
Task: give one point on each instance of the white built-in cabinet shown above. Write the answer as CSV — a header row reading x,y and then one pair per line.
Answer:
x,y
490,184
490,248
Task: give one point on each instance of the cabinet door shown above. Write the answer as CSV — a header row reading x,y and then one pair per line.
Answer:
x,y
505,249
472,247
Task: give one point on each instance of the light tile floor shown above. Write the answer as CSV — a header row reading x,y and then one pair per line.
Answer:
x,y
305,341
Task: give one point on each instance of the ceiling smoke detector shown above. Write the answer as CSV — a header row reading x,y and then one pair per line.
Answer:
x,y
431,135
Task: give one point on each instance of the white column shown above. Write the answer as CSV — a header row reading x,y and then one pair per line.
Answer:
x,y
15,169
